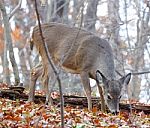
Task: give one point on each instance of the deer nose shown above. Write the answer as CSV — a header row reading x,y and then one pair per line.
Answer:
x,y
115,112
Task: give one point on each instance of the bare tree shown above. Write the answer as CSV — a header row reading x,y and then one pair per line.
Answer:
x,y
8,46
143,30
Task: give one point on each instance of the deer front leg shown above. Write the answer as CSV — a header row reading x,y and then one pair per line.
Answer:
x,y
86,84
34,74
103,106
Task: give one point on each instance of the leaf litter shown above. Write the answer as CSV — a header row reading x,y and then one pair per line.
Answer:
x,y
21,114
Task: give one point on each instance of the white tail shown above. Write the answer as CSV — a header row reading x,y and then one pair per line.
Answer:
x,y
81,52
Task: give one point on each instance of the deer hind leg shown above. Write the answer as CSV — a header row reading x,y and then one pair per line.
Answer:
x,y
47,79
34,74
86,84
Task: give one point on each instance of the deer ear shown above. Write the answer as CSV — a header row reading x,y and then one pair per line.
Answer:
x,y
125,79
100,77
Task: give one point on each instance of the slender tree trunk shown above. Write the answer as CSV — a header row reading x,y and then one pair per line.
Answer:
x,y
42,11
113,33
49,10
91,17
57,10
76,9
142,38
65,11
24,70
6,73
9,43
77,14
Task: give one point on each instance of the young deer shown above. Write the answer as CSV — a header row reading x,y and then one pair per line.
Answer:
x,y
78,51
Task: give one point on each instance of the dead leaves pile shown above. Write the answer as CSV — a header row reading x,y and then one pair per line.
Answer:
x,y
20,114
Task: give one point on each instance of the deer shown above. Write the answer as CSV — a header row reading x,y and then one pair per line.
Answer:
x,y
78,51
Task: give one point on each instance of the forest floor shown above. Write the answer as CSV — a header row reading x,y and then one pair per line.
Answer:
x,y
16,112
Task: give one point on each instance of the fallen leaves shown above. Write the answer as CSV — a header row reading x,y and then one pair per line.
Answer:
x,y
27,114
21,114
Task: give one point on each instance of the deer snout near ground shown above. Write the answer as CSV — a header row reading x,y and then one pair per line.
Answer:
x,y
78,51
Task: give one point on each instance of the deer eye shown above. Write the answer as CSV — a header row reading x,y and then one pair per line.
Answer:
x,y
109,97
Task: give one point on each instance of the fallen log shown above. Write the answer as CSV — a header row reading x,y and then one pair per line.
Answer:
x,y
81,102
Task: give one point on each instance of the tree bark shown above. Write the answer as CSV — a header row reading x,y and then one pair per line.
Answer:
x,y
142,38
9,44
24,70
113,33
57,11
91,17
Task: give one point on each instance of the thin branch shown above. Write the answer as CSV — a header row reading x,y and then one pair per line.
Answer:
x,y
15,10
53,67
118,73
133,73
126,24
62,6
140,73
76,15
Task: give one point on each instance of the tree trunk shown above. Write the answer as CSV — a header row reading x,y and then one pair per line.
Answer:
x,y
142,38
57,11
91,17
6,73
113,33
24,70
9,44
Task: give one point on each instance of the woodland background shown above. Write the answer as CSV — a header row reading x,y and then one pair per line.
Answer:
x,y
124,23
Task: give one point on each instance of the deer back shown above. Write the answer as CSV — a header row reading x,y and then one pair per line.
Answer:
x,y
75,49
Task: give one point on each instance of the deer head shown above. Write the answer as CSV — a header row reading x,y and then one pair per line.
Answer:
x,y
112,90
